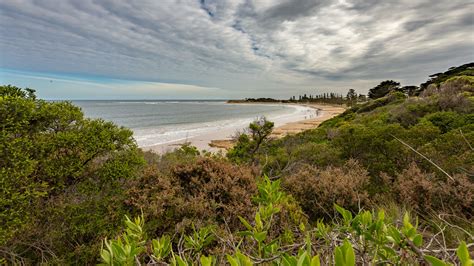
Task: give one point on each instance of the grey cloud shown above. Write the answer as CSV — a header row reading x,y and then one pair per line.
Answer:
x,y
237,44
416,24
291,10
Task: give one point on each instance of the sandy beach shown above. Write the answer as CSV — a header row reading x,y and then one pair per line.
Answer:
x,y
222,139
325,112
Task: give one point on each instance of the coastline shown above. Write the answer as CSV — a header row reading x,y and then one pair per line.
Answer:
x,y
325,112
222,140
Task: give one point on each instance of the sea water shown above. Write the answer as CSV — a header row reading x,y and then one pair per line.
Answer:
x,y
159,122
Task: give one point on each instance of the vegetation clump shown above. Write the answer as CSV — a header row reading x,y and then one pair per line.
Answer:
x,y
350,239
389,181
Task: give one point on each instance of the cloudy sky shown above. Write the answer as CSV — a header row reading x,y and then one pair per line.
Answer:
x,y
99,49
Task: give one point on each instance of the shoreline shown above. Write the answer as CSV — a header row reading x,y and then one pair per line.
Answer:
x,y
223,140
325,112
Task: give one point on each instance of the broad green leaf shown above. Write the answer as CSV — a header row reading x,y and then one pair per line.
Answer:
x,y
418,240
463,254
232,261
435,261
315,261
349,254
303,259
260,236
181,261
338,257
289,260
243,260
406,221
206,261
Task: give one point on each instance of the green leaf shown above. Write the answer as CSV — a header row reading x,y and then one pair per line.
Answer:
x,y
406,221
232,261
349,254
303,259
106,257
206,261
244,260
181,261
338,257
381,215
463,254
258,221
346,215
245,223
260,236
315,261
418,240
435,261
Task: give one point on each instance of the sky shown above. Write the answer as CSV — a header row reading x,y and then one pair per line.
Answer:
x,y
221,49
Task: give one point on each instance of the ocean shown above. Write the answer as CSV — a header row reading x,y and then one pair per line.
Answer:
x,y
159,122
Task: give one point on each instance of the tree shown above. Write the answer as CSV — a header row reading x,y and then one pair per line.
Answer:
x,y
248,144
410,90
351,97
46,147
362,98
438,78
383,89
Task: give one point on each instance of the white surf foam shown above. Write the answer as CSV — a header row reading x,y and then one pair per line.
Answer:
x,y
162,135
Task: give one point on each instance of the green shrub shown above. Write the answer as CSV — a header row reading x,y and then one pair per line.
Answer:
x,y
49,153
393,97
249,143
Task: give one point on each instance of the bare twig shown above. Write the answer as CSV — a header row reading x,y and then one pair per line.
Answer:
x,y
444,250
424,157
455,226
468,144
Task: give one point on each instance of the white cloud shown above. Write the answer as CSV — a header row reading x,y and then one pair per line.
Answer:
x,y
254,47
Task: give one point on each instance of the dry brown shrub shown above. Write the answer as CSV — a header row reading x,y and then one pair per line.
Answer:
x,y
208,191
432,89
317,190
452,94
425,192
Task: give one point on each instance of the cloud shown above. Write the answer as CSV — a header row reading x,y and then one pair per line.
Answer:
x,y
255,47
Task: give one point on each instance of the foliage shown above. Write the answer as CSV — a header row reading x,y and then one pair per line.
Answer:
x,y
318,189
366,237
398,168
322,98
249,144
437,124
410,90
425,192
206,191
351,97
50,153
124,249
384,88
392,97
438,78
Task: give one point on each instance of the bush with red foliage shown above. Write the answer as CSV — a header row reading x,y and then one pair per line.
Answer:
x,y
426,192
208,191
318,189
